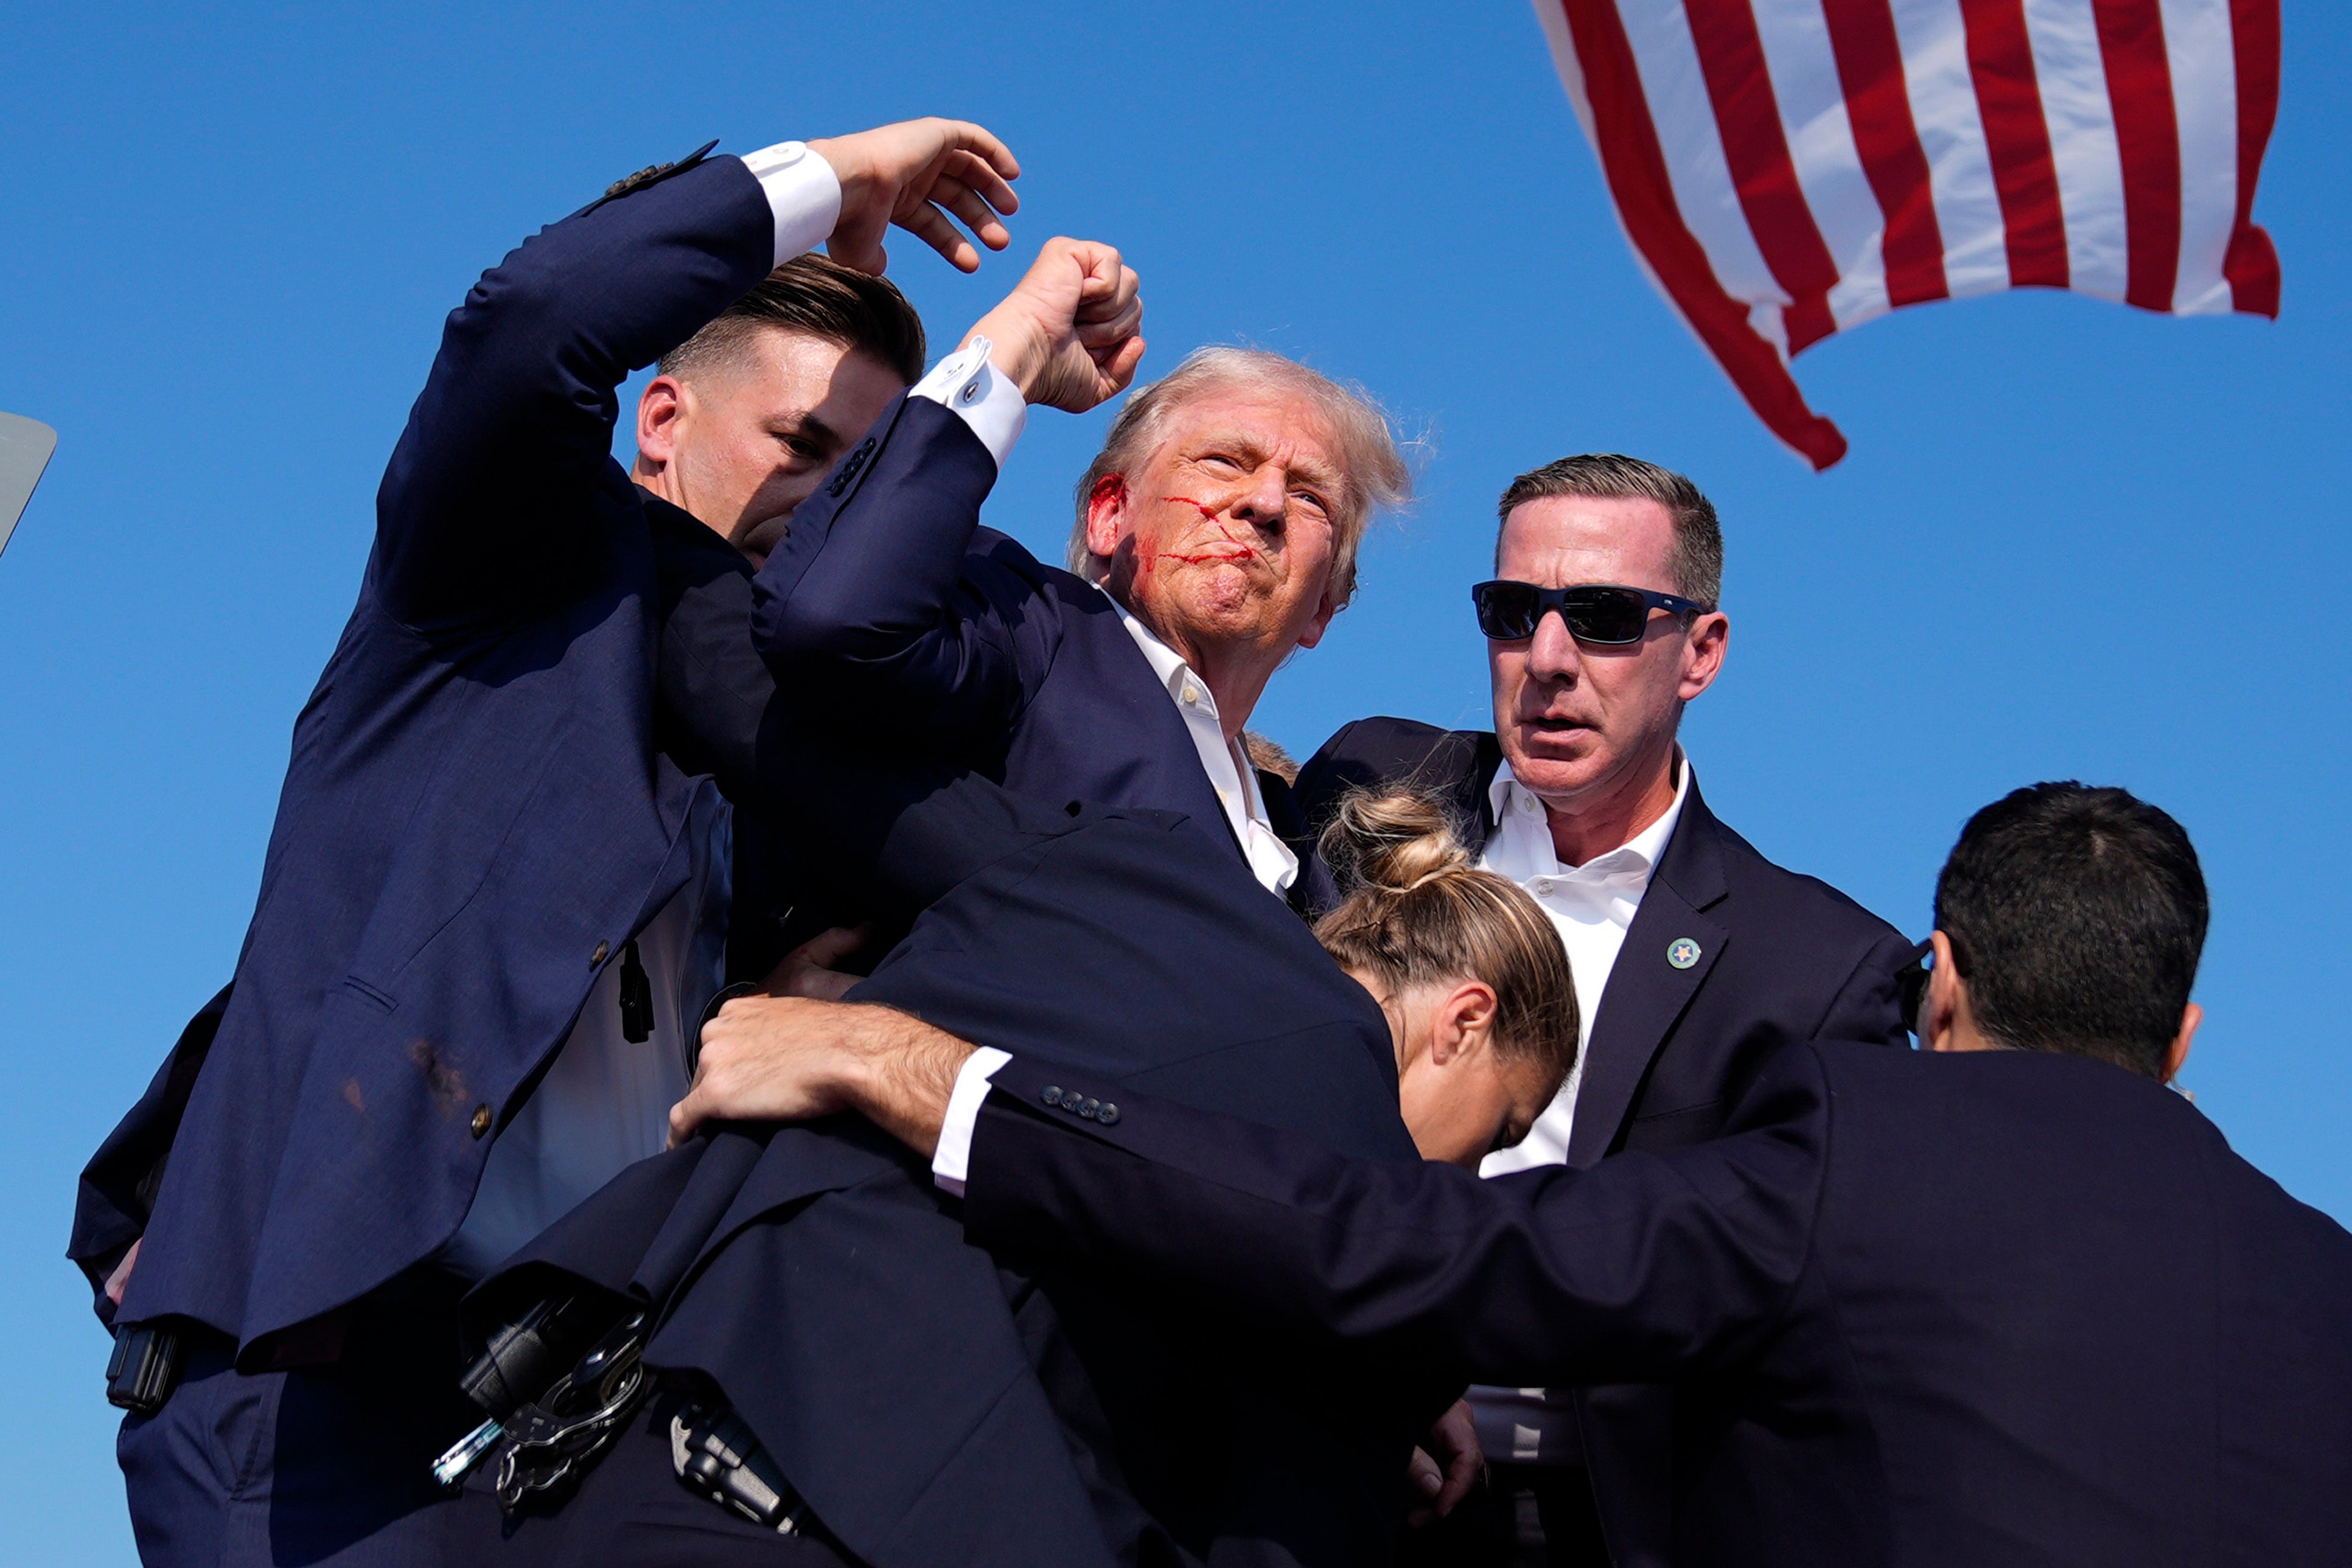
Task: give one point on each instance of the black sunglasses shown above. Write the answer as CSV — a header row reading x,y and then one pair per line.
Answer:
x,y
1601,613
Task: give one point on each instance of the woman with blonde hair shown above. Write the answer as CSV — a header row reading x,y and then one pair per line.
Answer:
x,y
1467,968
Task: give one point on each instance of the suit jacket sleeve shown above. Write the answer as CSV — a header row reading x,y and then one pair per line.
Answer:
x,y
1868,1007
875,609
1639,1269
509,445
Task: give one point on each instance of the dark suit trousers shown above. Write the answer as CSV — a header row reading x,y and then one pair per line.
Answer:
x,y
328,1465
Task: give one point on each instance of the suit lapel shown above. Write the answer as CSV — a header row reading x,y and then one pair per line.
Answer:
x,y
1648,989
1474,795
1175,760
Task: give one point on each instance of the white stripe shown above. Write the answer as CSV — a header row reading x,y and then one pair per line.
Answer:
x,y
2072,79
1553,16
1805,83
1684,117
2199,46
1951,133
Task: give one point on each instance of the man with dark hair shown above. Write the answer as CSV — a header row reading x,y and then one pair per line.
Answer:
x,y
800,365
498,891
2008,1302
2103,971
1694,956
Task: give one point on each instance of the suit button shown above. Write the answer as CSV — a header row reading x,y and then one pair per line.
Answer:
x,y
598,956
1089,1108
481,1122
1108,1115
1052,1096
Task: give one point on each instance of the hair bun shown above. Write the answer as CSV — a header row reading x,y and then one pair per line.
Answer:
x,y
1393,840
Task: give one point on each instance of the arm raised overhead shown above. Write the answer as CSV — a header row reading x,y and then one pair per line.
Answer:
x,y
868,607
509,445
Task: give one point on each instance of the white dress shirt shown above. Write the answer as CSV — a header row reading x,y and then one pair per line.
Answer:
x,y
603,1104
802,192
1226,764
1590,906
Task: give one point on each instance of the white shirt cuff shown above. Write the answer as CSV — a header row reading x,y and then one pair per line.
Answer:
x,y
973,389
952,1159
802,192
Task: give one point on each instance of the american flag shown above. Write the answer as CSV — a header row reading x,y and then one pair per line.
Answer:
x,y
1788,169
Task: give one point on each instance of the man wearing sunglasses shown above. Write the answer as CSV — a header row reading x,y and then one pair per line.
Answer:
x,y
1694,956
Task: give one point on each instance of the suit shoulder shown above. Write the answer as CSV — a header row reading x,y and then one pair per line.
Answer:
x,y
999,557
1371,752
1792,895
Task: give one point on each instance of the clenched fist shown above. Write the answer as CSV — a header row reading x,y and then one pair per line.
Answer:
x,y
1070,335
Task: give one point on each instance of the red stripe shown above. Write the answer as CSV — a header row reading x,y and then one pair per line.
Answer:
x,y
1636,170
2147,138
2009,100
1747,118
2252,265
1878,106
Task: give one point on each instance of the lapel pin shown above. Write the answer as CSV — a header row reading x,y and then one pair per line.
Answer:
x,y
1682,952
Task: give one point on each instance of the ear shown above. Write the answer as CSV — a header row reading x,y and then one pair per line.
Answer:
x,y
1106,515
1461,1022
2177,1053
659,410
1710,637
1947,999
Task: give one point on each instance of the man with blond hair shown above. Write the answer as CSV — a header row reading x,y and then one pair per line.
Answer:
x,y
1217,533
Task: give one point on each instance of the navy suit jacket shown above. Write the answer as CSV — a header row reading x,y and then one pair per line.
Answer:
x,y
476,815
892,612
1935,1311
931,1408
1781,957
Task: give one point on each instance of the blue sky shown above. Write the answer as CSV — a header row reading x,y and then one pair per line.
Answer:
x,y
2072,541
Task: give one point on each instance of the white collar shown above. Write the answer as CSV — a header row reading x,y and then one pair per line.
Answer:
x,y
1224,761
1165,662
1518,812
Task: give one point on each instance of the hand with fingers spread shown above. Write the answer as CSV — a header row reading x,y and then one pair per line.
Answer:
x,y
808,969
914,174
1070,334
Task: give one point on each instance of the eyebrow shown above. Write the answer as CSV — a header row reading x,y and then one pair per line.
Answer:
x,y
809,424
1310,472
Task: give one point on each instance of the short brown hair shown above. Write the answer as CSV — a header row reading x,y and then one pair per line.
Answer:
x,y
1695,564
817,296
1373,469
1421,913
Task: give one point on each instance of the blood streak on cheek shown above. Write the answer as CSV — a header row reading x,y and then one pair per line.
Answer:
x,y
1242,549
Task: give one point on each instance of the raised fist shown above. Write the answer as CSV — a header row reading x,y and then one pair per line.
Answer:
x,y
1070,335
